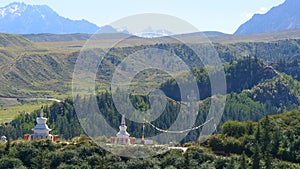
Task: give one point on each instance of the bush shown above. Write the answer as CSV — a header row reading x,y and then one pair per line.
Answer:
x,y
13,163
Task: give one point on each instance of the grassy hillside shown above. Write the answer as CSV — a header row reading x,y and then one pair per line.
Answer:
x,y
27,67
9,112
72,37
260,37
44,69
11,46
14,41
216,37
33,72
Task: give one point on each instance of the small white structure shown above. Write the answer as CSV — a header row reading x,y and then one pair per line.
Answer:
x,y
3,139
148,142
41,130
123,135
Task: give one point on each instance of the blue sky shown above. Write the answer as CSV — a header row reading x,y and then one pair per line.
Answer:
x,y
212,15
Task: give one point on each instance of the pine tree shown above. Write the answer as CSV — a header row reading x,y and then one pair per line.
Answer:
x,y
266,143
249,128
276,142
257,134
243,161
230,164
7,147
268,161
256,151
266,136
256,157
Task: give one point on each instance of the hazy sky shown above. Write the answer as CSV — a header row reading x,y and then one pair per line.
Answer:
x,y
213,15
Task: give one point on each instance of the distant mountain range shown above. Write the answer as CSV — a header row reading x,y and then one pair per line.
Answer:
x,y
283,17
20,18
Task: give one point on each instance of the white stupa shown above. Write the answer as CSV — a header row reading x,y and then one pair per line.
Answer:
x,y
123,135
4,139
41,130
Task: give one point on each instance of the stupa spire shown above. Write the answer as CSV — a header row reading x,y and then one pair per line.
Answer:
x,y
123,123
42,112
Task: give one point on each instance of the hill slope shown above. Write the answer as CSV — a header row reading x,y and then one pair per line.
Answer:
x,y
10,45
27,66
13,41
283,17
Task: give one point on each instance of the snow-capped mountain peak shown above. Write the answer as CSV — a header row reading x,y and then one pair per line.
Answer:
x,y
21,18
13,9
